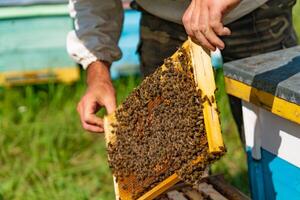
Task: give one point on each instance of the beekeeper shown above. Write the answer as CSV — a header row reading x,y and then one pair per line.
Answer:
x,y
240,28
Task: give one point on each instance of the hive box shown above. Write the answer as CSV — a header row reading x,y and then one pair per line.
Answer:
x,y
33,39
269,86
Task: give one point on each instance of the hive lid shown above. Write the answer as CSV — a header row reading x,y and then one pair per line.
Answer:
x,y
276,73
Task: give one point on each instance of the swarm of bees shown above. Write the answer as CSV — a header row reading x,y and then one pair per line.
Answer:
x,y
160,129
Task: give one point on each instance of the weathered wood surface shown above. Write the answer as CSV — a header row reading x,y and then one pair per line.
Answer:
x,y
277,73
214,187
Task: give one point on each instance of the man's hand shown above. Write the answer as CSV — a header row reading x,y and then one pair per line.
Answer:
x,y
100,92
203,21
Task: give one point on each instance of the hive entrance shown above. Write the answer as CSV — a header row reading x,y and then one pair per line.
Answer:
x,y
158,132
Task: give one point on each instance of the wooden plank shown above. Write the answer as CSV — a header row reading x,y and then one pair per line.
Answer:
x,y
226,189
276,105
204,77
108,121
111,138
58,74
161,188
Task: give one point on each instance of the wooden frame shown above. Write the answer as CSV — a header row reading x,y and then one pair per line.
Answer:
x,y
204,77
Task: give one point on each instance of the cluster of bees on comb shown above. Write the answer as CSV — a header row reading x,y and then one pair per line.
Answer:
x,y
159,130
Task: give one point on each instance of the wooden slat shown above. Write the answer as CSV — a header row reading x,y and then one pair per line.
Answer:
x,y
57,74
108,121
161,188
225,188
263,99
204,77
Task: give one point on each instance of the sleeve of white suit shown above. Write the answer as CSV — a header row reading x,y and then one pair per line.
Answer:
x,y
97,29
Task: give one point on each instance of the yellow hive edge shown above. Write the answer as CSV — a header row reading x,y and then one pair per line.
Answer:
x,y
212,125
205,81
63,74
276,105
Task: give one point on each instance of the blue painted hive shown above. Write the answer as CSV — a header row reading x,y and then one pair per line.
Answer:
x,y
269,86
32,42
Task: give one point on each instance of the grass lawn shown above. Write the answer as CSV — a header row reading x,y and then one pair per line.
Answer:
x,y
45,154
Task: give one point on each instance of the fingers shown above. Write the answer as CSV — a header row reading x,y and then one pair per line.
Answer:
x,y
92,119
110,102
92,128
187,17
216,24
110,107
87,109
226,31
203,23
201,31
100,92
219,29
201,39
210,40
213,39
98,95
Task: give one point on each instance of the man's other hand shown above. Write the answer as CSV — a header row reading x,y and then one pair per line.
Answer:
x,y
100,93
203,21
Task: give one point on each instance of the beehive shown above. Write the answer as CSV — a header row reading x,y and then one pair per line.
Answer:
x,y
168,128
32,41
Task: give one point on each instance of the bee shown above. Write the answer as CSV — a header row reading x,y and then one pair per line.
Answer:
x,y
168,131
216,90
217,110
212,99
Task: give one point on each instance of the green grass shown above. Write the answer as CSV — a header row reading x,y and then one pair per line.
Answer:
x,y
296,17
45,154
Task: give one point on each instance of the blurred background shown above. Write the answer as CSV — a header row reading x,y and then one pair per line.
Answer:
x,y
44,152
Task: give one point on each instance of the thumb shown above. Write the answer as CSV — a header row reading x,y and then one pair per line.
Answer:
x,y
110,104
111,107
